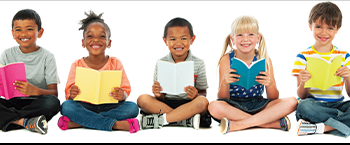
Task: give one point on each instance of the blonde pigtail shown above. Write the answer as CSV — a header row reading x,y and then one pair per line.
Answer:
x,y
262,52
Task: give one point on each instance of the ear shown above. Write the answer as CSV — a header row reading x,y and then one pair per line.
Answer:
x,y
233,42
259,37
13,34
310,26
109,43
41,32
192,39
83,43
164,39
337,30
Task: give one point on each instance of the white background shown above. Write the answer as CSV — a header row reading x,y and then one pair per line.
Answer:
x,y
137,29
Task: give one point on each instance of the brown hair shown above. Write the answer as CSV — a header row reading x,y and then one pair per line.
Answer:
x,y
327,12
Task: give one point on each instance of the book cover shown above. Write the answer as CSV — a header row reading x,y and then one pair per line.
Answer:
x,y
247,73
322,72
95,86
174,77
8,75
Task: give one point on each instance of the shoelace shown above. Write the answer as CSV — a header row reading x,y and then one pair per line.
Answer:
x,y
150,121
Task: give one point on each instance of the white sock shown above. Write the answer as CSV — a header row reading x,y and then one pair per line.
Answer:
x,y
165,122
320,128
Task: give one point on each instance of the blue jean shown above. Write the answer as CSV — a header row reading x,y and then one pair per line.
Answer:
x,y
101,117
333,114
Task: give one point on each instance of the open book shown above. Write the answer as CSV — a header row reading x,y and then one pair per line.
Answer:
x,y
322,72
8,75
247,73
174,77
95,86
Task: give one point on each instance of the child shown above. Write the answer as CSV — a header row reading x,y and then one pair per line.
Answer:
x,y
237,107
120,116
34,111
323,111
184,109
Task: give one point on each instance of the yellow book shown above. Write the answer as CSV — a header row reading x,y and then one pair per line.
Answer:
x,y
95,86
322,72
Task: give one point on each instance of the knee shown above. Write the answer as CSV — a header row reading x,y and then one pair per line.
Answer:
x,y
215,109
67,106
305,107
202,103
51,103
133,109
292,103
142,100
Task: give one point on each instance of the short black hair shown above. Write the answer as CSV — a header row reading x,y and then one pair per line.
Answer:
x,y
92,17
181,22
27,14
327,11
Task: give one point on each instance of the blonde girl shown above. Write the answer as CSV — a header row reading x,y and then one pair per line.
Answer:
x,y
236,107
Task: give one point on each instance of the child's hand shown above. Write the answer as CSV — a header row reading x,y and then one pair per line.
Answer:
x,y
343,72
26,88
230,77
118,94
304,76
264,79
74,91
156,88
192,92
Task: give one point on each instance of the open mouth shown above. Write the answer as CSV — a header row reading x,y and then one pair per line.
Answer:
x,y
95,47
245,45
24,39
323,38
179,49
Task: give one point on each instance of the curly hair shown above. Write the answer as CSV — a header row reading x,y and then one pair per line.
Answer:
x,y
92,17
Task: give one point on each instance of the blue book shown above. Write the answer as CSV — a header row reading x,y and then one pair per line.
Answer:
x,y
247,73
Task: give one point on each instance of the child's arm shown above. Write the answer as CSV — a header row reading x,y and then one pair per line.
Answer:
x,y
345,73
29,89
303,77
268,80
225,77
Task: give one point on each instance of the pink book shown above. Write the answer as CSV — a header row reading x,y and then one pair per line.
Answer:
x,y
8,75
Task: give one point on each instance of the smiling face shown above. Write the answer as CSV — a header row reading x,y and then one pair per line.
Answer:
x,y
25,32
178,40
245,42
96,39
323,34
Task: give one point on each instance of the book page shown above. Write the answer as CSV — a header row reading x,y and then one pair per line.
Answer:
x,y
109,80
322,73
184,76
86,79
166,76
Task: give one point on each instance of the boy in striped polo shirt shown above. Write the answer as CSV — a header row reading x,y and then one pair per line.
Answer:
x,y
323,111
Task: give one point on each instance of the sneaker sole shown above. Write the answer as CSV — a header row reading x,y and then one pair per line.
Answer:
x,y
223,125
288,123
300,121
40,119
196,121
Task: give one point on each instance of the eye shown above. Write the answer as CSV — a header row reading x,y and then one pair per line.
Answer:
x,y
239,34
183,38
172,39
30,29
251,34
331,28
17,29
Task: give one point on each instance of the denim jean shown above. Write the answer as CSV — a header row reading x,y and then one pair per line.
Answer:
x,y
334,114
27,107
101,117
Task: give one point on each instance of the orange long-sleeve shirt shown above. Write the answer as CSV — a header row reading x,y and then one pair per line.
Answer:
x,y
113,63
